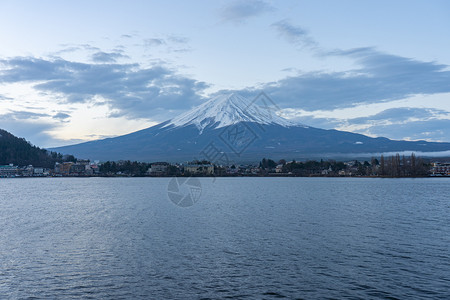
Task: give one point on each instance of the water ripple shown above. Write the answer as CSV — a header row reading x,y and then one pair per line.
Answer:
x,y
247,238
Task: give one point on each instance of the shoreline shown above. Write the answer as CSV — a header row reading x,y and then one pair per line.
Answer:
x,y
222,176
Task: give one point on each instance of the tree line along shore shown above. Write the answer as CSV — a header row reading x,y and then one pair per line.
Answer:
x,y
391,166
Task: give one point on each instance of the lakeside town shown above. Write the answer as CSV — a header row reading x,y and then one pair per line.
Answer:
x,y
393,166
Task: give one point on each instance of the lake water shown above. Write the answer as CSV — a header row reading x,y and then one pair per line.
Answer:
x,y
256,238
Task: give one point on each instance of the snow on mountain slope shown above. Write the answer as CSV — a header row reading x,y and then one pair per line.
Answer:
x,y
225,110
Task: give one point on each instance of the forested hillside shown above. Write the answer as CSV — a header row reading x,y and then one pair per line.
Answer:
x,y
18,151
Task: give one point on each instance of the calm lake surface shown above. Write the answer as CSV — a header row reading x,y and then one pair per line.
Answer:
x,y
256,238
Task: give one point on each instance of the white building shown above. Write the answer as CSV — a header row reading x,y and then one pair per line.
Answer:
x,y
159,168
207,169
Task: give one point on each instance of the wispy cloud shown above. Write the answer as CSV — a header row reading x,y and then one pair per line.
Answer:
x,y
153,42
128,89
395,123
405,122
431,130
25,115
4,98
178,39
61,116
239,11
293,34
105,57
171,43
381,77
402,114
70,48
158,92
26,124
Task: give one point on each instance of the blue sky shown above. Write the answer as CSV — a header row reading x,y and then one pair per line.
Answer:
x,y
73,71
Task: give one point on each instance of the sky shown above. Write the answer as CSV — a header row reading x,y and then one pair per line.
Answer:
x,y
73,71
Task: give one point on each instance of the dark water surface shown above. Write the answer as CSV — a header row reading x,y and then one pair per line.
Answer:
x,y
257,238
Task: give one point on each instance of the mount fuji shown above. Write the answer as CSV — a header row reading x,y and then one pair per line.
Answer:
x,y
227,110
231,128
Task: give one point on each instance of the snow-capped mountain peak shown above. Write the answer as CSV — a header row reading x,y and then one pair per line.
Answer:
x,y
225,110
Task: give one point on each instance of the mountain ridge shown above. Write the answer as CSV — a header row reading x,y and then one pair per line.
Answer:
x,y
242,130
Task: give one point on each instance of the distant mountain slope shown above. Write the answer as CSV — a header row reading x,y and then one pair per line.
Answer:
x,y
18,151
231,126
